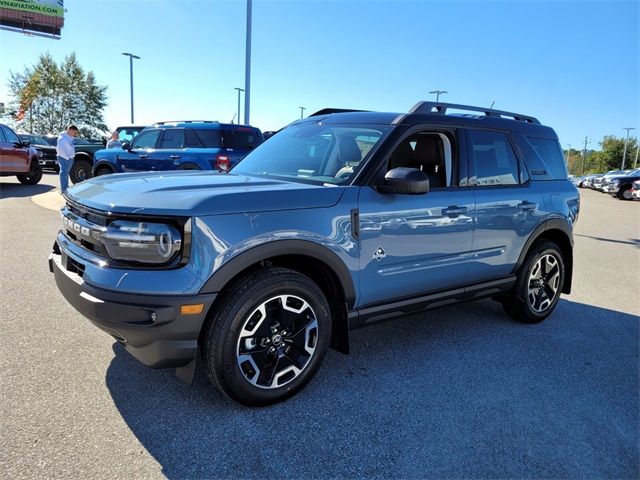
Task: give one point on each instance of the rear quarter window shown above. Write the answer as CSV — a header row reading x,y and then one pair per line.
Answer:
x,y
241,139
543,157
203,138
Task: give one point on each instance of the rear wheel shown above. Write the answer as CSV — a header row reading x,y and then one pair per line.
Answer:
x,y
268,337
538,285
80,171
33,176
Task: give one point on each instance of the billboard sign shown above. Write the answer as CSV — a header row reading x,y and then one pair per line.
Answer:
x,y
36,17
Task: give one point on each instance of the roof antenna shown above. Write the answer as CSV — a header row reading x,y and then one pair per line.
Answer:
x,y
234,117
492,104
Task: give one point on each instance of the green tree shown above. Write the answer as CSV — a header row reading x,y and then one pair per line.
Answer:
x,y
47,97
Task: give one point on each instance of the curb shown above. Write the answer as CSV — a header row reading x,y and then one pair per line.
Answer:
x,y
52,200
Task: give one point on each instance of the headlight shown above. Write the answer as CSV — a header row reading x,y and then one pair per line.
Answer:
x,y
152,243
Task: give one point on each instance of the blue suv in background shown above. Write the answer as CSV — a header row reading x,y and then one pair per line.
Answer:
x,y
340,220
181,145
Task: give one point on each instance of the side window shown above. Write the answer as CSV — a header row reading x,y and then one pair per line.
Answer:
x,y
172,138
431,152
127,134
191,139
146,140
2,137
11,137
494,159
206,137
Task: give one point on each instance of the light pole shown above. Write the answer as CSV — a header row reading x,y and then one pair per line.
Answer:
x,y
131,57
584,154
239,90
247,67
302,109
438,93
624,153
635,163
567,156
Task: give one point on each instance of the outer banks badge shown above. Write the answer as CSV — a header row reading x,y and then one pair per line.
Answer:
x,y
379,254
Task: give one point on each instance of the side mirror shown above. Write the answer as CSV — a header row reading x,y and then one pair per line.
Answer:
x,y
25,143
409,181
125,146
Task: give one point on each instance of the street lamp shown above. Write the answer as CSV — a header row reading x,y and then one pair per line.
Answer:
x,y
302,109
131,57
624,153
438,93
247,67
567,156
239,90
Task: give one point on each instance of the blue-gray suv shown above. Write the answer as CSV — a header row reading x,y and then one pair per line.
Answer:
x,y
342,219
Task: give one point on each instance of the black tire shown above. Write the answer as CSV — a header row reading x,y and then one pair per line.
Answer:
x,y
299,342
34,175
56,168
80,171
103,171
530,300
625,193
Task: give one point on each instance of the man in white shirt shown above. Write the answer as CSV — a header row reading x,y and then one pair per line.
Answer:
x,y
114,141
66,151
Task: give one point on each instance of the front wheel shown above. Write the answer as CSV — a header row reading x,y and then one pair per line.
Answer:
x,y
268,337
538,285
625,194
80,171
33,176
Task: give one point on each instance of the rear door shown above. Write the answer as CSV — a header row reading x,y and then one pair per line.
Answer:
x,y
143,146
508,206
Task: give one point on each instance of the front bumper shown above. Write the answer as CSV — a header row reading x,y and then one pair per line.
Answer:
x,y
151,328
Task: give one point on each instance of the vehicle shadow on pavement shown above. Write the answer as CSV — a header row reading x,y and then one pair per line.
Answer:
x,y
631,241
456,392
17,190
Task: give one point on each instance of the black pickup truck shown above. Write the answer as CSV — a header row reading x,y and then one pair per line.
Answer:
x,y
621,186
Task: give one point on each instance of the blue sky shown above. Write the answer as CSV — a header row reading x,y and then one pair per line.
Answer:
x,y
574,65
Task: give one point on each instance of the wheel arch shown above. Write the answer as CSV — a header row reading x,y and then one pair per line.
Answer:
x,y
559,232
103,163
317,262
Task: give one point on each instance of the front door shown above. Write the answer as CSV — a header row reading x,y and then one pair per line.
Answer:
x,y
138,157
415,244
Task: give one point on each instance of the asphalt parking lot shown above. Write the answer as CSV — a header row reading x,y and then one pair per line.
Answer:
x,y
457,392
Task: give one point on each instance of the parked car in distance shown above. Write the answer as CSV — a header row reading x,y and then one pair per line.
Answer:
x,y
181,145
621,186
635,190
47,153
599,181
338,221
18,158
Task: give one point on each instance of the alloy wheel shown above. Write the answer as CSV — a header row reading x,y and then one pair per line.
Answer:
x,y
277,341
544,282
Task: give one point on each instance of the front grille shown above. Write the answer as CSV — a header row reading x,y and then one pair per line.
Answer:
x,y
84,227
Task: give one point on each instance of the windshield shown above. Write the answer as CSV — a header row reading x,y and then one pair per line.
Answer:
x,y
34,139
312,152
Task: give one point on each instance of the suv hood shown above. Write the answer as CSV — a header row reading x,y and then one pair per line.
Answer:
x,y
198,193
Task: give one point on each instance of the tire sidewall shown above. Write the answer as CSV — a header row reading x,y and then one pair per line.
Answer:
x,y
79,164
523,281
233,380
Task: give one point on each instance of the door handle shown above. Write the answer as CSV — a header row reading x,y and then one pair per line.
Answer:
x,y
143,155
174,157
527,205
454,211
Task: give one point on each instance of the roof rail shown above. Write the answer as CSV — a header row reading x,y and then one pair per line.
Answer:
x,y
327,111
441,108
185,121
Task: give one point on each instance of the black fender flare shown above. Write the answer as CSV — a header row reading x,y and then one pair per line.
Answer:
x,y
103,163
233,267
550,224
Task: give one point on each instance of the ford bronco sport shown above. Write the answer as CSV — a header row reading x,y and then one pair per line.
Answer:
x,y
339,220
